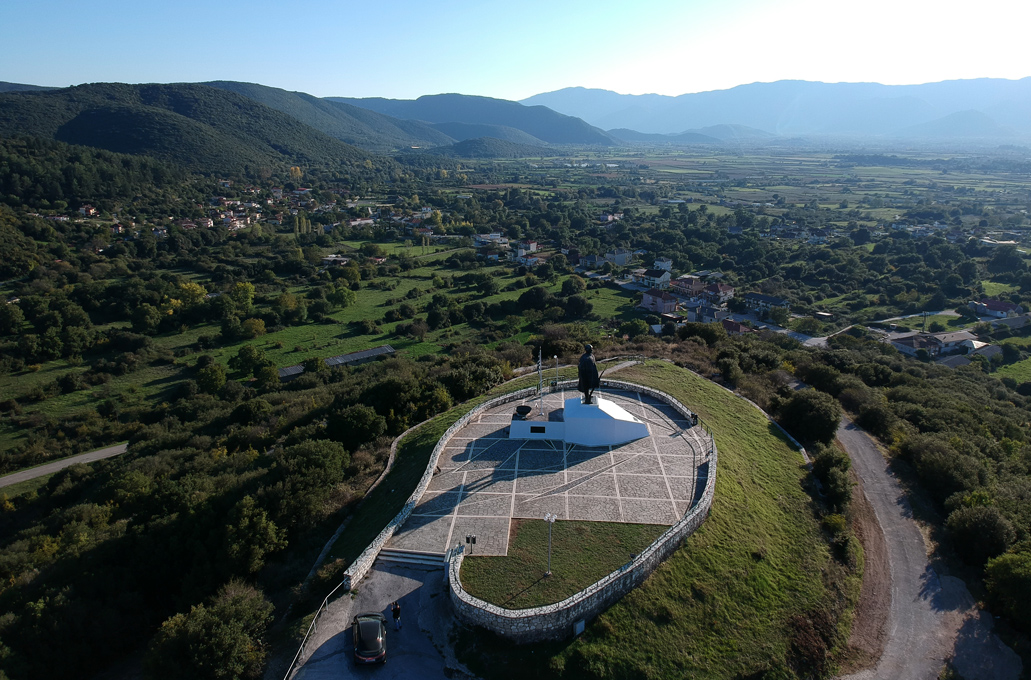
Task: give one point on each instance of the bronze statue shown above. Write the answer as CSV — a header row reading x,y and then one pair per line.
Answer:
x,y
587,372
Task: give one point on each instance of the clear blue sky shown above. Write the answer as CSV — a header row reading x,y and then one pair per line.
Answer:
x,y
405,48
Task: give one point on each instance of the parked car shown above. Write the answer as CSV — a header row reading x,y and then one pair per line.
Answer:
x,y
369,631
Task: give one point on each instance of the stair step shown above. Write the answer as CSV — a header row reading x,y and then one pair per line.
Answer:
x,y
413,557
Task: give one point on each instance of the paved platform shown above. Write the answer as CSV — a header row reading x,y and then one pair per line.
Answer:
x,y
485,479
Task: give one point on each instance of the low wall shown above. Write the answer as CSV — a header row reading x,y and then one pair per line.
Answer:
x,y
557,621
361,566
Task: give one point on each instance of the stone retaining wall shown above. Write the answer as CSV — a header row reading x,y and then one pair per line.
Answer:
x,y
361,566
557,621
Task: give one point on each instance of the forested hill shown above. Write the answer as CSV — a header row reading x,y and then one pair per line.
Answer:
x,y
489,147
361,127
539,121
194,125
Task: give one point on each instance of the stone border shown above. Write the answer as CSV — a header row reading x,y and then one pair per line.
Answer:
x,y
561,620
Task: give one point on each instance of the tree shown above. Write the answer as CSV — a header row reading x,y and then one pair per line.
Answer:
x,y
242,295
634,328
220,640
811,415
146,318
779,316
250,535
356,425
11,319
574,285
248,360
252,328
577,307
211,378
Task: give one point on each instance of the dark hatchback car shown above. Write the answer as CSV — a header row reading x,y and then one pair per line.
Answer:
x,y
370,638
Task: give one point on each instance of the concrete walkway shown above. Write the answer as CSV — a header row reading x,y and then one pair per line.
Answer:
x,y
50,468
931,618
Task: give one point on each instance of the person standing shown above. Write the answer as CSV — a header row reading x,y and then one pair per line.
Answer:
x,y
395,609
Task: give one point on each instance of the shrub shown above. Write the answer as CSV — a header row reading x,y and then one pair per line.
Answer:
x,y
979,533
1008,578
811,415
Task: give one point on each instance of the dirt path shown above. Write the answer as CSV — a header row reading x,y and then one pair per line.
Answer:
x,y
930,619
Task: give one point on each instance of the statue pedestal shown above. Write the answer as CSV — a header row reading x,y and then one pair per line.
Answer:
x,y
603,423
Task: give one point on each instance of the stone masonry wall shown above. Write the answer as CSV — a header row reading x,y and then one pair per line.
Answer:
x,y
554,622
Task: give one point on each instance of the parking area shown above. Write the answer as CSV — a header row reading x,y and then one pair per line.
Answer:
x,y
484,479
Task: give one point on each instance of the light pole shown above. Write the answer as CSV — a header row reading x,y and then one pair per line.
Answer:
x,y
550,519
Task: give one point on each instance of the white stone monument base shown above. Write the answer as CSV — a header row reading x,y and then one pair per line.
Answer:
x,y
603,423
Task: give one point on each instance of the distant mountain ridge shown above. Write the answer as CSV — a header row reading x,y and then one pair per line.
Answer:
x,y
194,125
537,121
795,107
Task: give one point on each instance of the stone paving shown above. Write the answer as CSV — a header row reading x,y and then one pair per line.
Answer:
x,y
484,479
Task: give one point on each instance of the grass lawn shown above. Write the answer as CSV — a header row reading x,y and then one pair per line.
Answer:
x,y
582,553
1019,371
721,605
994,289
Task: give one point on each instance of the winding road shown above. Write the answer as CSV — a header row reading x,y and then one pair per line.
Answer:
x,y
931,618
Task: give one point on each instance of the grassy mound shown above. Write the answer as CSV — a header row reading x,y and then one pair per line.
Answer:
x,y
755,588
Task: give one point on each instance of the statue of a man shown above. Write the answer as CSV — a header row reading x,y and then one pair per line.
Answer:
x,y
587,372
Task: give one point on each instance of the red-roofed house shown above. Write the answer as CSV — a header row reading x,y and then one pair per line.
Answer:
x,y
659,301
1000,309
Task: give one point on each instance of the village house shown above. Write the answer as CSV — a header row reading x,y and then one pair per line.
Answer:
x,y
735,328
703,312
620,257
653,278
87,211
764,303
999,309
912,344
687,285
952,342
663,263
659,301
718,293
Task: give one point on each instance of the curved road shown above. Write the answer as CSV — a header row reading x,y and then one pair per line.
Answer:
x,y
932,618
50,468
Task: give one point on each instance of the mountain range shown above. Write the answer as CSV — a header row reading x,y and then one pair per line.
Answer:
x,y
963,109
540,122
225,124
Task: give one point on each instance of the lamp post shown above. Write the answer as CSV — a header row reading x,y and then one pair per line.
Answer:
x,y
550,519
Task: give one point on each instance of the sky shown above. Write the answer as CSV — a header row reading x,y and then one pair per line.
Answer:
x,y
510,50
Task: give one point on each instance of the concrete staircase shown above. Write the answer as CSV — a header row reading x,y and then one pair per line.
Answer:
x,y
411,558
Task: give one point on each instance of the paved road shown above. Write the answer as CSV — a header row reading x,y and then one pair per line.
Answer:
x,y
421,649
931,618
50,468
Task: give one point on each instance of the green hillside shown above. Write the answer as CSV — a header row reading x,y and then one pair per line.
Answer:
x,y
193,125
360,127
489,147
537,121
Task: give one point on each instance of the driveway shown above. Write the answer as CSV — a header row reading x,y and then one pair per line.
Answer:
x,y
50,468
421,649
932,618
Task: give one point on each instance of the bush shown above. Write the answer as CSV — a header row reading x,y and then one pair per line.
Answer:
x,y
811,415
979,533
1008,578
